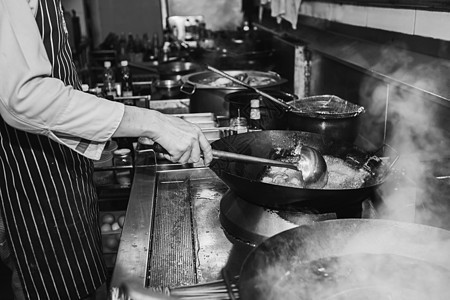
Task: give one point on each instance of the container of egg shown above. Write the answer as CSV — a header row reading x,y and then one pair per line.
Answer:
x,y
111,224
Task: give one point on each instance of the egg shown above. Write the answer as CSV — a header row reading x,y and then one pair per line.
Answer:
x,y
106,227
111,242
121,220
115,226
108,218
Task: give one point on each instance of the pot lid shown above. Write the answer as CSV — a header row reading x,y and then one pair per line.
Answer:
x,y
326,107
211,80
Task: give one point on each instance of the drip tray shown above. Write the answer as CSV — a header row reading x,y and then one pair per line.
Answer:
x,y
187,244
172,251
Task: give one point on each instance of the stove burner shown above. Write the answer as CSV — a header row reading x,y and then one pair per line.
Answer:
x,y
247,223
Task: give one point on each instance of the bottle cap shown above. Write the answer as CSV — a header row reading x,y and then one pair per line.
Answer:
x,y
107,64
124,63
254,103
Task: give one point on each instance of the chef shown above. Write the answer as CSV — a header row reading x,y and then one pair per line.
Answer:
x,y
49,134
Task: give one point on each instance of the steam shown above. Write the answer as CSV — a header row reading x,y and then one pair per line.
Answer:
x,y
411,194
218,14
413,130
358,260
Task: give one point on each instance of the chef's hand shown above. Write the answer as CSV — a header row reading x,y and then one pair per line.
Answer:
x,y
184,141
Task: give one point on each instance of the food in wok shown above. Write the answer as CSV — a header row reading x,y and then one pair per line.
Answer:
x,y
340,174
357,276
245,179
350,259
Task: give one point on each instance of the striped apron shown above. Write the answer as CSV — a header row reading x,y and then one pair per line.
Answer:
x,y
48,199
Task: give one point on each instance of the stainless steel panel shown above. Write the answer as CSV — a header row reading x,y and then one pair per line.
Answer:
x,y
131,261
172,235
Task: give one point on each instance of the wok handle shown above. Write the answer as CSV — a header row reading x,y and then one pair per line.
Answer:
x,y
235,80
379,157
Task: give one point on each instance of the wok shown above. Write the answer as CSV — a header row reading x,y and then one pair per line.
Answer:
x,y
244,179
417,248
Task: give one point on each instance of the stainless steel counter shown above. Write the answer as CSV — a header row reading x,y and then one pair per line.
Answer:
x,y
172,234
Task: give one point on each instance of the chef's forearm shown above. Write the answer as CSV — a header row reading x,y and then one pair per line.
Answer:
x,y
138,121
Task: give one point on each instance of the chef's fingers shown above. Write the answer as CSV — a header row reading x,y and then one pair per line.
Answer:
x,y
185,155
195,153
168,157
206,150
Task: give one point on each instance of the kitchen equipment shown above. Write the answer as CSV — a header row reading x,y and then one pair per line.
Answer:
x,y
175,237
325,114
245,179
202,120
312,165
268,162
273,116
175,70
207,97
168,88
239,80
421,254
328,115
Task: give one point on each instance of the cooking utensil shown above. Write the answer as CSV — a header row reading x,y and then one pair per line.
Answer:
x,y
206,97
404,244
325,114
167,88
268,162
175,70
245,179
311,165
260,92
329,115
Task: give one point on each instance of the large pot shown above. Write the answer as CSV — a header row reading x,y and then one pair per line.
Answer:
x,y
326,114
273,116
390,260
207,96
245,179
166,89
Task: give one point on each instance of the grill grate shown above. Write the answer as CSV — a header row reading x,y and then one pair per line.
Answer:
x,y
172,250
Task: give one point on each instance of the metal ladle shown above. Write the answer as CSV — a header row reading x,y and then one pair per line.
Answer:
x,y
286,106
311,164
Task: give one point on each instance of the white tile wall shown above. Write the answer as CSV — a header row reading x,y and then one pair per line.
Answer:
x,y
322,10
398,20
306,8
350,14
433,24
407,21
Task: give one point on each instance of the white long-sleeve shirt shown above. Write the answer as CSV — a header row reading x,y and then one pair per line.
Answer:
x,y
31,100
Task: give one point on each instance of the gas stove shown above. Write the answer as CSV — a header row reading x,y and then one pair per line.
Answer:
x,y
250,224
184,226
